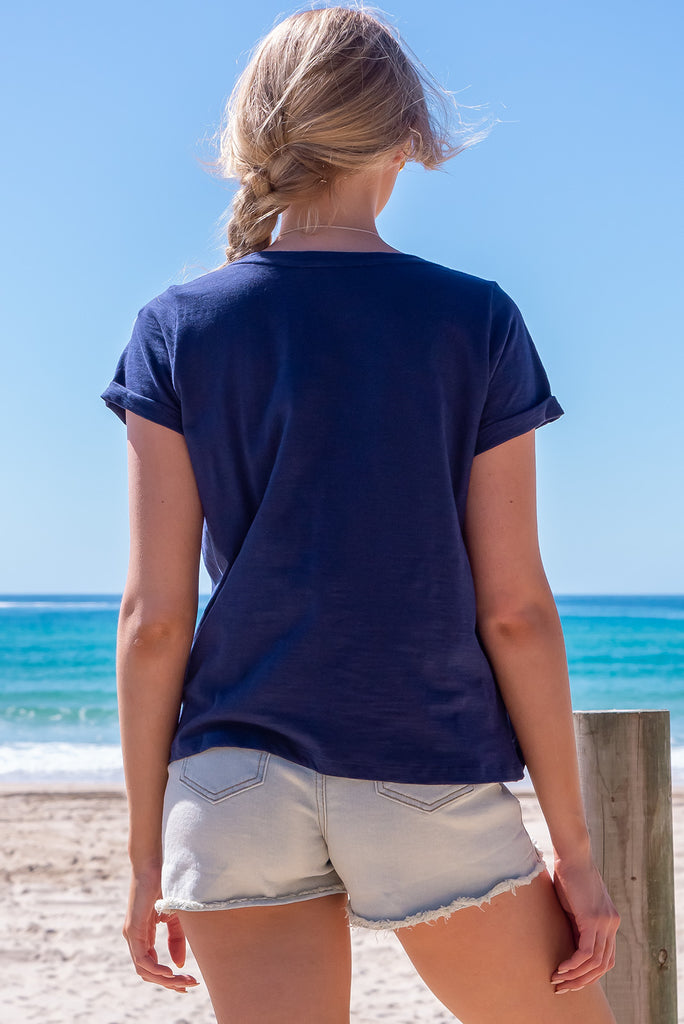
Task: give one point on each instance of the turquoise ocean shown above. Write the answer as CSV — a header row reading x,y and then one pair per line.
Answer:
x,y
58,719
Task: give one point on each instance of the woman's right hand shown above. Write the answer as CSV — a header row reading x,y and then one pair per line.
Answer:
x,y
140,932
584,898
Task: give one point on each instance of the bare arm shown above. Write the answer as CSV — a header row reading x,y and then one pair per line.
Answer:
x,y
156,627
521,633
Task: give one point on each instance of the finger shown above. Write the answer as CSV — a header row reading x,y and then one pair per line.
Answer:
x,y
145,959
590,971
598,960
580,983
160,974
584,952
176,941
149,963
176,983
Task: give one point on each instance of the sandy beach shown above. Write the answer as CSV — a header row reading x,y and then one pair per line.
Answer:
x,y
65,879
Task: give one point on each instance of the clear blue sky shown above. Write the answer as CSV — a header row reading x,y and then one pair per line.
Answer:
x,y
573,204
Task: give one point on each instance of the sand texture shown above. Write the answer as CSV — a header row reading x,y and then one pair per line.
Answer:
x,y
64,883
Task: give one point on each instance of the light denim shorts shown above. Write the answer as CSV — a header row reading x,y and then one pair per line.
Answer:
x,y
245,828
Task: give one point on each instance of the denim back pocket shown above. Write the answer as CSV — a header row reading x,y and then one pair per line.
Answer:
x,y
424,797
222,772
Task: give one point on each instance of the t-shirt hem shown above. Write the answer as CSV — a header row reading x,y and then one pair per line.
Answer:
x,y
496,433
118,399
449,773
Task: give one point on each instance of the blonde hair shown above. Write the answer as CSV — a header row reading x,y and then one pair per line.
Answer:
x,y
328,91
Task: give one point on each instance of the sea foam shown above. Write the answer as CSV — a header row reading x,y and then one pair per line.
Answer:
x,y
60,762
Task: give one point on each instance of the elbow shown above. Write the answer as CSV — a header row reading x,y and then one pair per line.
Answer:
x,y
143,631
519,622
146,635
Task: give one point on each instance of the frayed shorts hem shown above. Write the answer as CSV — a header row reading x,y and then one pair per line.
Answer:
x,y
428,916
170,905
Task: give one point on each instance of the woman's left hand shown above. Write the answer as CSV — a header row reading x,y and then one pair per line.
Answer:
x,y
140,932
584,898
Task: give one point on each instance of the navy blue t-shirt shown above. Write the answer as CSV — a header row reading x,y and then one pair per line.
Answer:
x,y
332,404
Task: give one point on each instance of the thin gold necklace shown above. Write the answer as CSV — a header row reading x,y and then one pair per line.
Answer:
x,y
342,226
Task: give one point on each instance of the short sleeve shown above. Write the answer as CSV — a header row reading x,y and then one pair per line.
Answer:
x,y
518,395
143,379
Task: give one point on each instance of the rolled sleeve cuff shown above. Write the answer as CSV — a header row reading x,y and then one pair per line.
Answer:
x,y
494,434
118,399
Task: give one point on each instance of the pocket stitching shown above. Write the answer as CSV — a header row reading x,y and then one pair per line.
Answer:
x,y
409,800
216,796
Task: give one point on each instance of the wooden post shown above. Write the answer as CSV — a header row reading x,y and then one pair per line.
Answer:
x,y
625,774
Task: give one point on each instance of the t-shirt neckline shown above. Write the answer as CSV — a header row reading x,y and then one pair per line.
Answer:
x,y
312,257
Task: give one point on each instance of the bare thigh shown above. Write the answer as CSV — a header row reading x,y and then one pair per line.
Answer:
x,y
493,964
275,965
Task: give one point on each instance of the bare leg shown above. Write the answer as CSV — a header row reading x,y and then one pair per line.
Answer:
x,y
275,965
492,964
